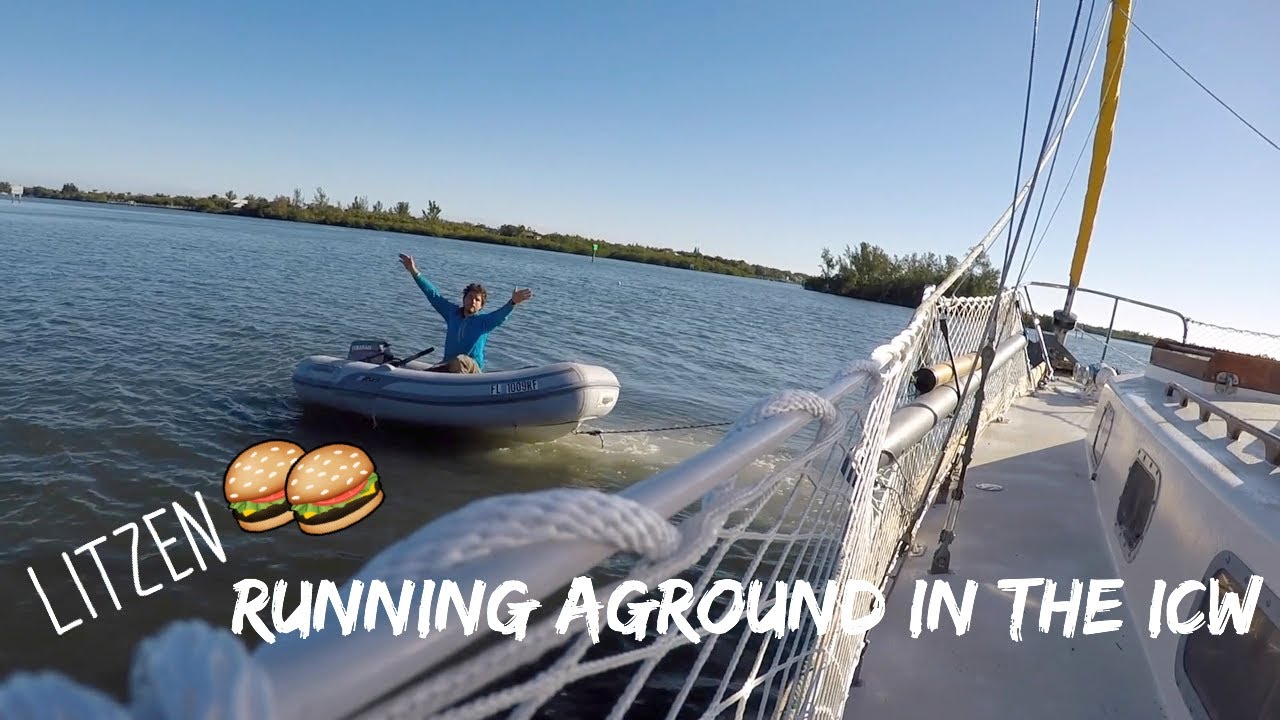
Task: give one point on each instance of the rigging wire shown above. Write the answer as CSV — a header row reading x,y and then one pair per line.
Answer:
x,y
1069,114
1075,80
942,555
1022,144
1186,72
1044,145
1034,249
1108,84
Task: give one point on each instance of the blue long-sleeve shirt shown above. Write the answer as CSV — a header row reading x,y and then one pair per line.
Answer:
x,y
463,335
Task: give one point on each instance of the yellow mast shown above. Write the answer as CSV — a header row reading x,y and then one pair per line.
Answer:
x,y
1117,43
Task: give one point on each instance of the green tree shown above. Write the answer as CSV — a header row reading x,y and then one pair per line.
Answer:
x,y
433,211
402,209
5,187
869,273
828,263
231,195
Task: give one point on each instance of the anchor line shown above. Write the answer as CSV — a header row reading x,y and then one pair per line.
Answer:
x,y
601,433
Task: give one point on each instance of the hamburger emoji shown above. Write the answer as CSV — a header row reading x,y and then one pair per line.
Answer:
x,y
333,487
254,484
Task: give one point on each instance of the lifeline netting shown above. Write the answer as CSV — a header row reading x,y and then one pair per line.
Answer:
x,y
829,514
1247,342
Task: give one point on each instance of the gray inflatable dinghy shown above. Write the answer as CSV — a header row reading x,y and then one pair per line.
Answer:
x,y
532,404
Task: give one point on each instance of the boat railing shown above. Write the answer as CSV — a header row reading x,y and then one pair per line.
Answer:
x,y
1117,299
1194,332
1115,306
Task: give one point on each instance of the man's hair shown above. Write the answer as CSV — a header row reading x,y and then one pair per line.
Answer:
x,y
477,288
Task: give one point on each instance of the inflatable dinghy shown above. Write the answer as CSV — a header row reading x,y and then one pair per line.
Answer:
x,y
532,404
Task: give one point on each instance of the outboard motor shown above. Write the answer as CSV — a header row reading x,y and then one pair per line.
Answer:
x,y
370,351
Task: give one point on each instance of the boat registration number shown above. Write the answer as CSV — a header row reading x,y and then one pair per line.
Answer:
x,y
510,388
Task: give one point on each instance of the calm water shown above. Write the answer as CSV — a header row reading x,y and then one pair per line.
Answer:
x,y
145,348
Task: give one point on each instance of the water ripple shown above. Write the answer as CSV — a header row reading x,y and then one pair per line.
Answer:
x,y
146,348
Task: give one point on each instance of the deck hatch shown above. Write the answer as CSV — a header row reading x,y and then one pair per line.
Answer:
x,y
1137,504
1230,676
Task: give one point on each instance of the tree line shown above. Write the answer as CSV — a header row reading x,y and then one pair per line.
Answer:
x,y
359,213
870,273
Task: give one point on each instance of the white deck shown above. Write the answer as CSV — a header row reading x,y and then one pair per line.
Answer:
x,y
1244,461
1044,523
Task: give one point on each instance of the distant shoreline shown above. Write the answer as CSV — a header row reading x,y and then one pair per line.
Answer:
x,y
359,215
1133,336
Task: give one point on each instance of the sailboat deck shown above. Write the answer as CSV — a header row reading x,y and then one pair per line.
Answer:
x,y
1043,523
1243,462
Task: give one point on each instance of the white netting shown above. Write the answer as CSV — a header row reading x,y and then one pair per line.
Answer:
x,y
813,520
830,514
1235,340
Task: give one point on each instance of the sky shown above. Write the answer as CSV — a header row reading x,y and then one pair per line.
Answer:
x,y
757,130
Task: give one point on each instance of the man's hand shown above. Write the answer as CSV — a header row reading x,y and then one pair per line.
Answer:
x,y
520,296
408,264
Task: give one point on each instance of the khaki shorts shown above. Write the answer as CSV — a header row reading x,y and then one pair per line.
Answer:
x,y
458,364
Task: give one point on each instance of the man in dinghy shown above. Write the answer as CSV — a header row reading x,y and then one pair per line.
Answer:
x,y
466,330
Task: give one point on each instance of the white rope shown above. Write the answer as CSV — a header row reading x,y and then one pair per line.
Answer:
x,y
696,535
493,525
39,696
500,523
191,671
784,402
870,369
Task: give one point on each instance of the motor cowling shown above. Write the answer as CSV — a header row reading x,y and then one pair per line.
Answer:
x,y
370,351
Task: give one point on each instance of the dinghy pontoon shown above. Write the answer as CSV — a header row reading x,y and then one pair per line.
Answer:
x,y
533,404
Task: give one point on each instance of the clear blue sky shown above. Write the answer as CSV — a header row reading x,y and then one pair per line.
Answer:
x,y
764,131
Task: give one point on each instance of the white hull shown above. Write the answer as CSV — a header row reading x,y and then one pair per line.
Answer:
x,y
533,404
1210,505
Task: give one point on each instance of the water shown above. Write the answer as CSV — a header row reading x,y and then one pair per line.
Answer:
x,y
1125,356
145,348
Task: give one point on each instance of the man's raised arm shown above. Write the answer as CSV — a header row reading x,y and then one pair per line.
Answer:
x,y
442,306
493,319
